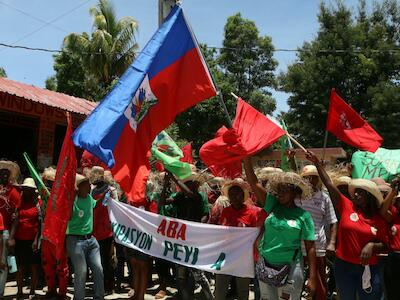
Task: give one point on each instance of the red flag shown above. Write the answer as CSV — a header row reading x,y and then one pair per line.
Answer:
x,y
62,195
88,160
187,153
348,126
251,132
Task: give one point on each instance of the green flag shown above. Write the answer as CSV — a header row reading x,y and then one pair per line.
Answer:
x,y
166,144
167,151
180,169
383,163
35,175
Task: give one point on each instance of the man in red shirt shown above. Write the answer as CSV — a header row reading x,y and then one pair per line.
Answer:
x,y
10,199
102,226
238,214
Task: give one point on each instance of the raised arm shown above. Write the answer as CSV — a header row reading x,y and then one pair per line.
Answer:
x,y
384,210
184,188
326,180
256,186
165,190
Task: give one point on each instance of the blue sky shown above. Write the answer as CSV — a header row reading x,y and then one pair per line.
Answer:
x,y
44,23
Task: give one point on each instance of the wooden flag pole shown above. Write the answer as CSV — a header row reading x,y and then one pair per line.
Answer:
x,y
296,142
228,117
325,143
235,96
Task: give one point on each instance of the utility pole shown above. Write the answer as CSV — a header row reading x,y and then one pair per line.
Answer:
x,y
164,7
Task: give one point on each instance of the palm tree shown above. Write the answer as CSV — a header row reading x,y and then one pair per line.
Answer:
x,y
111,47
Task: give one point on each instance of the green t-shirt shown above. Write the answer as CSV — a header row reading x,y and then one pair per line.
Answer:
x,y
284,229
81,222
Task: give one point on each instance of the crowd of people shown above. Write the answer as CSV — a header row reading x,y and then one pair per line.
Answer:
x,y
322,234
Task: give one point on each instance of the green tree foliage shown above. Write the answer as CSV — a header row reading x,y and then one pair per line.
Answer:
x,y
91,63
3,72
244,66
111,47
365,73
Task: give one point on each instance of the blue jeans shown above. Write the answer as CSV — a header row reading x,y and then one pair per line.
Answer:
x,y
293,288
4,273
348,279
85,252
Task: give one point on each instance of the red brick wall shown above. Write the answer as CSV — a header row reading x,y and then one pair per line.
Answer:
x,y
49,118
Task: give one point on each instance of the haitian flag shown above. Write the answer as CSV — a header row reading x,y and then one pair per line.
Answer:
x,y
168,77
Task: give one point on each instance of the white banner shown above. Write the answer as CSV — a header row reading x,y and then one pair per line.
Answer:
x,y
212,248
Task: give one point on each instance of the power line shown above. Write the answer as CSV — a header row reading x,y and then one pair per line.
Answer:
x,y
326,51
33,17
50,23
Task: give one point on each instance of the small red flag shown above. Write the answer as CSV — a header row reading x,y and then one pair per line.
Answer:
x,y
250,133
187,153
348,126
59,205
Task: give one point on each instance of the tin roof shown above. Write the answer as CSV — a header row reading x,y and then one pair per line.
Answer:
x,y
46,97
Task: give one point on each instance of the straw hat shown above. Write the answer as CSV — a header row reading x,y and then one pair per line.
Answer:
x,y
12,167
194,176
79,179
96,174
29,183
379,181
266,172
218,181
366,185
309,170
49,174
236,182
289,178
341,180
222,201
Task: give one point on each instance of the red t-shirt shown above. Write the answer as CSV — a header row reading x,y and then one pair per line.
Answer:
x,y
394,230
1,223
244,217
261,215
355,231
101,219
10,199
28,221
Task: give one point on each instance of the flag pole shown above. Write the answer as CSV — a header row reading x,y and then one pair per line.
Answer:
x,y
221,100
325,143
296,142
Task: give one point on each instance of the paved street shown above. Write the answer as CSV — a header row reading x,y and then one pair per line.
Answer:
x,y
11,291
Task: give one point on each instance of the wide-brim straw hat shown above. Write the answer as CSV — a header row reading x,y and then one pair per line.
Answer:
x,y
79,179
289,178
236,182
49,174
341,180
12,167
29,183
266,172
96,174
368,186
195,176
309,170
218,181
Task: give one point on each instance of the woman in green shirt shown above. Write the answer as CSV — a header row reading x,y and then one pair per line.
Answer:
x,y
284,229
82,246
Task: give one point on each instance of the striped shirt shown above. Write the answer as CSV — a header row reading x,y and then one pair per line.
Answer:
x,y
322,212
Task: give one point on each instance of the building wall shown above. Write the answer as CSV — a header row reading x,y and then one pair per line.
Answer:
x,y
48,116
